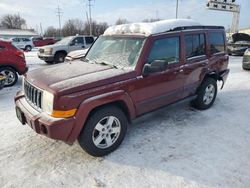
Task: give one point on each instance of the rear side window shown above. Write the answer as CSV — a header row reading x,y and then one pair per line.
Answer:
x,y
217,42
166,49
26,40
195,45
89,40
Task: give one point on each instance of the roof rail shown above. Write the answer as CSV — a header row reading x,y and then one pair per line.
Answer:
x,y
196,27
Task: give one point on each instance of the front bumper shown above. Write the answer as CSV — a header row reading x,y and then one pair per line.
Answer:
x,y
246,62
42,123
46,57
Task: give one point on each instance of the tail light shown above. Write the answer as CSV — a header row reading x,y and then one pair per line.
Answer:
x,y
20,54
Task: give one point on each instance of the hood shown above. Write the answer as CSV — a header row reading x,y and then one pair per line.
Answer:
x,y
78,53
240,37
76,76
53,46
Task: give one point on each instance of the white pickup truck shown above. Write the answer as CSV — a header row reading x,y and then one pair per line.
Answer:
x,y
57,52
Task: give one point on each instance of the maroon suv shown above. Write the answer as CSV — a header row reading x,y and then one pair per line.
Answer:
x,y
12,63
129,71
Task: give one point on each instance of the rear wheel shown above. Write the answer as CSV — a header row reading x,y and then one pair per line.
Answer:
x,y
104,131
28,48
206,94
11,76
60,57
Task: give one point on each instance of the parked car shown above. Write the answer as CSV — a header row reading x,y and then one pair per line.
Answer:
x,y
2,81
126,73
12,63
246,60
56,53
23,43
238,44
78,54
40,41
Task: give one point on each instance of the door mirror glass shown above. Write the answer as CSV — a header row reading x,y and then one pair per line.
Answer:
x,y
155,66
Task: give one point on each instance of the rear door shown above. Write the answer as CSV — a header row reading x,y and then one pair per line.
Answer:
x,y
161,88
89,41
196,61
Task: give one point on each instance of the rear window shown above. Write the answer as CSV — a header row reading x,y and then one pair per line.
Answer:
x,y
217,42
89,40
195,45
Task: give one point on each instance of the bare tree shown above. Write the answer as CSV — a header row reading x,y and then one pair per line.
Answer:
x,y
12,21
73,27
121,21
97,28
51,32
151,20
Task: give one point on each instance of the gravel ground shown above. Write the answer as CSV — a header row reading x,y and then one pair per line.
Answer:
x,y
176,146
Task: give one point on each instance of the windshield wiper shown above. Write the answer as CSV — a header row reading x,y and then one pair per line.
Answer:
x,y
107,64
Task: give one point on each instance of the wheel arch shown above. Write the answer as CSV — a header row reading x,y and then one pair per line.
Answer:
x,y
118,98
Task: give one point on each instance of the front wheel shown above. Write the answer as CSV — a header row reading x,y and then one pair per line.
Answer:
x,y
60,57
206,94
104,131
10,75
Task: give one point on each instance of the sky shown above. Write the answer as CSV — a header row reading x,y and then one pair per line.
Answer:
x,y
44,11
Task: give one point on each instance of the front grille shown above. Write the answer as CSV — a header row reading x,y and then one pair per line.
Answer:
x,y
33,94
41,50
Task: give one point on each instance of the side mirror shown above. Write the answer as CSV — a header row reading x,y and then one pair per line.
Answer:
x,y
155,66
72,44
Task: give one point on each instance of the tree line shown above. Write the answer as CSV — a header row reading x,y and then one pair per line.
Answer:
x,y
71,26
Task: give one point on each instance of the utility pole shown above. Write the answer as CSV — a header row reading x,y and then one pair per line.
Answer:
x,y
41,29
177,7
90,17
59,14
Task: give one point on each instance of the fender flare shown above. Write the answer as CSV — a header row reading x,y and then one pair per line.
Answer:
x,y
88,105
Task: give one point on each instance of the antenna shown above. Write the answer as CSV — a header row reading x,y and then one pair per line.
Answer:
x,y
59,14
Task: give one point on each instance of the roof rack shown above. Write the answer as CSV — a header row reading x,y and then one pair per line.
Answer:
x,y
196,27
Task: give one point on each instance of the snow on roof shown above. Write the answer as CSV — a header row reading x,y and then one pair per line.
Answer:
x,y
20,32
149,28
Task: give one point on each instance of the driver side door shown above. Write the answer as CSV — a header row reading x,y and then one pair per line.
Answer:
x,y
77,44
165,87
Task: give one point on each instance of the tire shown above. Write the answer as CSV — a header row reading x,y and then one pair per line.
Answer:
x,y
206,94
97,138
11,76
49,62
28,48
60,57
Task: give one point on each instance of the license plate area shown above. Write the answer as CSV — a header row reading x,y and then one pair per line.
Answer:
x,y
20,116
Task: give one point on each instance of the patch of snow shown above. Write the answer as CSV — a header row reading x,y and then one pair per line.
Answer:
x,y
173,147
149,28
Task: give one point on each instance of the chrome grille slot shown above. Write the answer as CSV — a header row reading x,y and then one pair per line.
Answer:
x,y
33,94
41,51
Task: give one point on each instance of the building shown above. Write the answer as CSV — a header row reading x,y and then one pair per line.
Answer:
x,y
11,33
245,30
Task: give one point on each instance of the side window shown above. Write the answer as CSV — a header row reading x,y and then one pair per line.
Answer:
x,y
166,49
195,45
26,40
15,40
89,40
217,42
2,47
78,41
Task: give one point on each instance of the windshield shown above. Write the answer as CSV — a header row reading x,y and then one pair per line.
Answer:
x,y
119,52
65,41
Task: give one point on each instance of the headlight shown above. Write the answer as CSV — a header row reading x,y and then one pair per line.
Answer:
x,y
47,102
247,52
48,51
